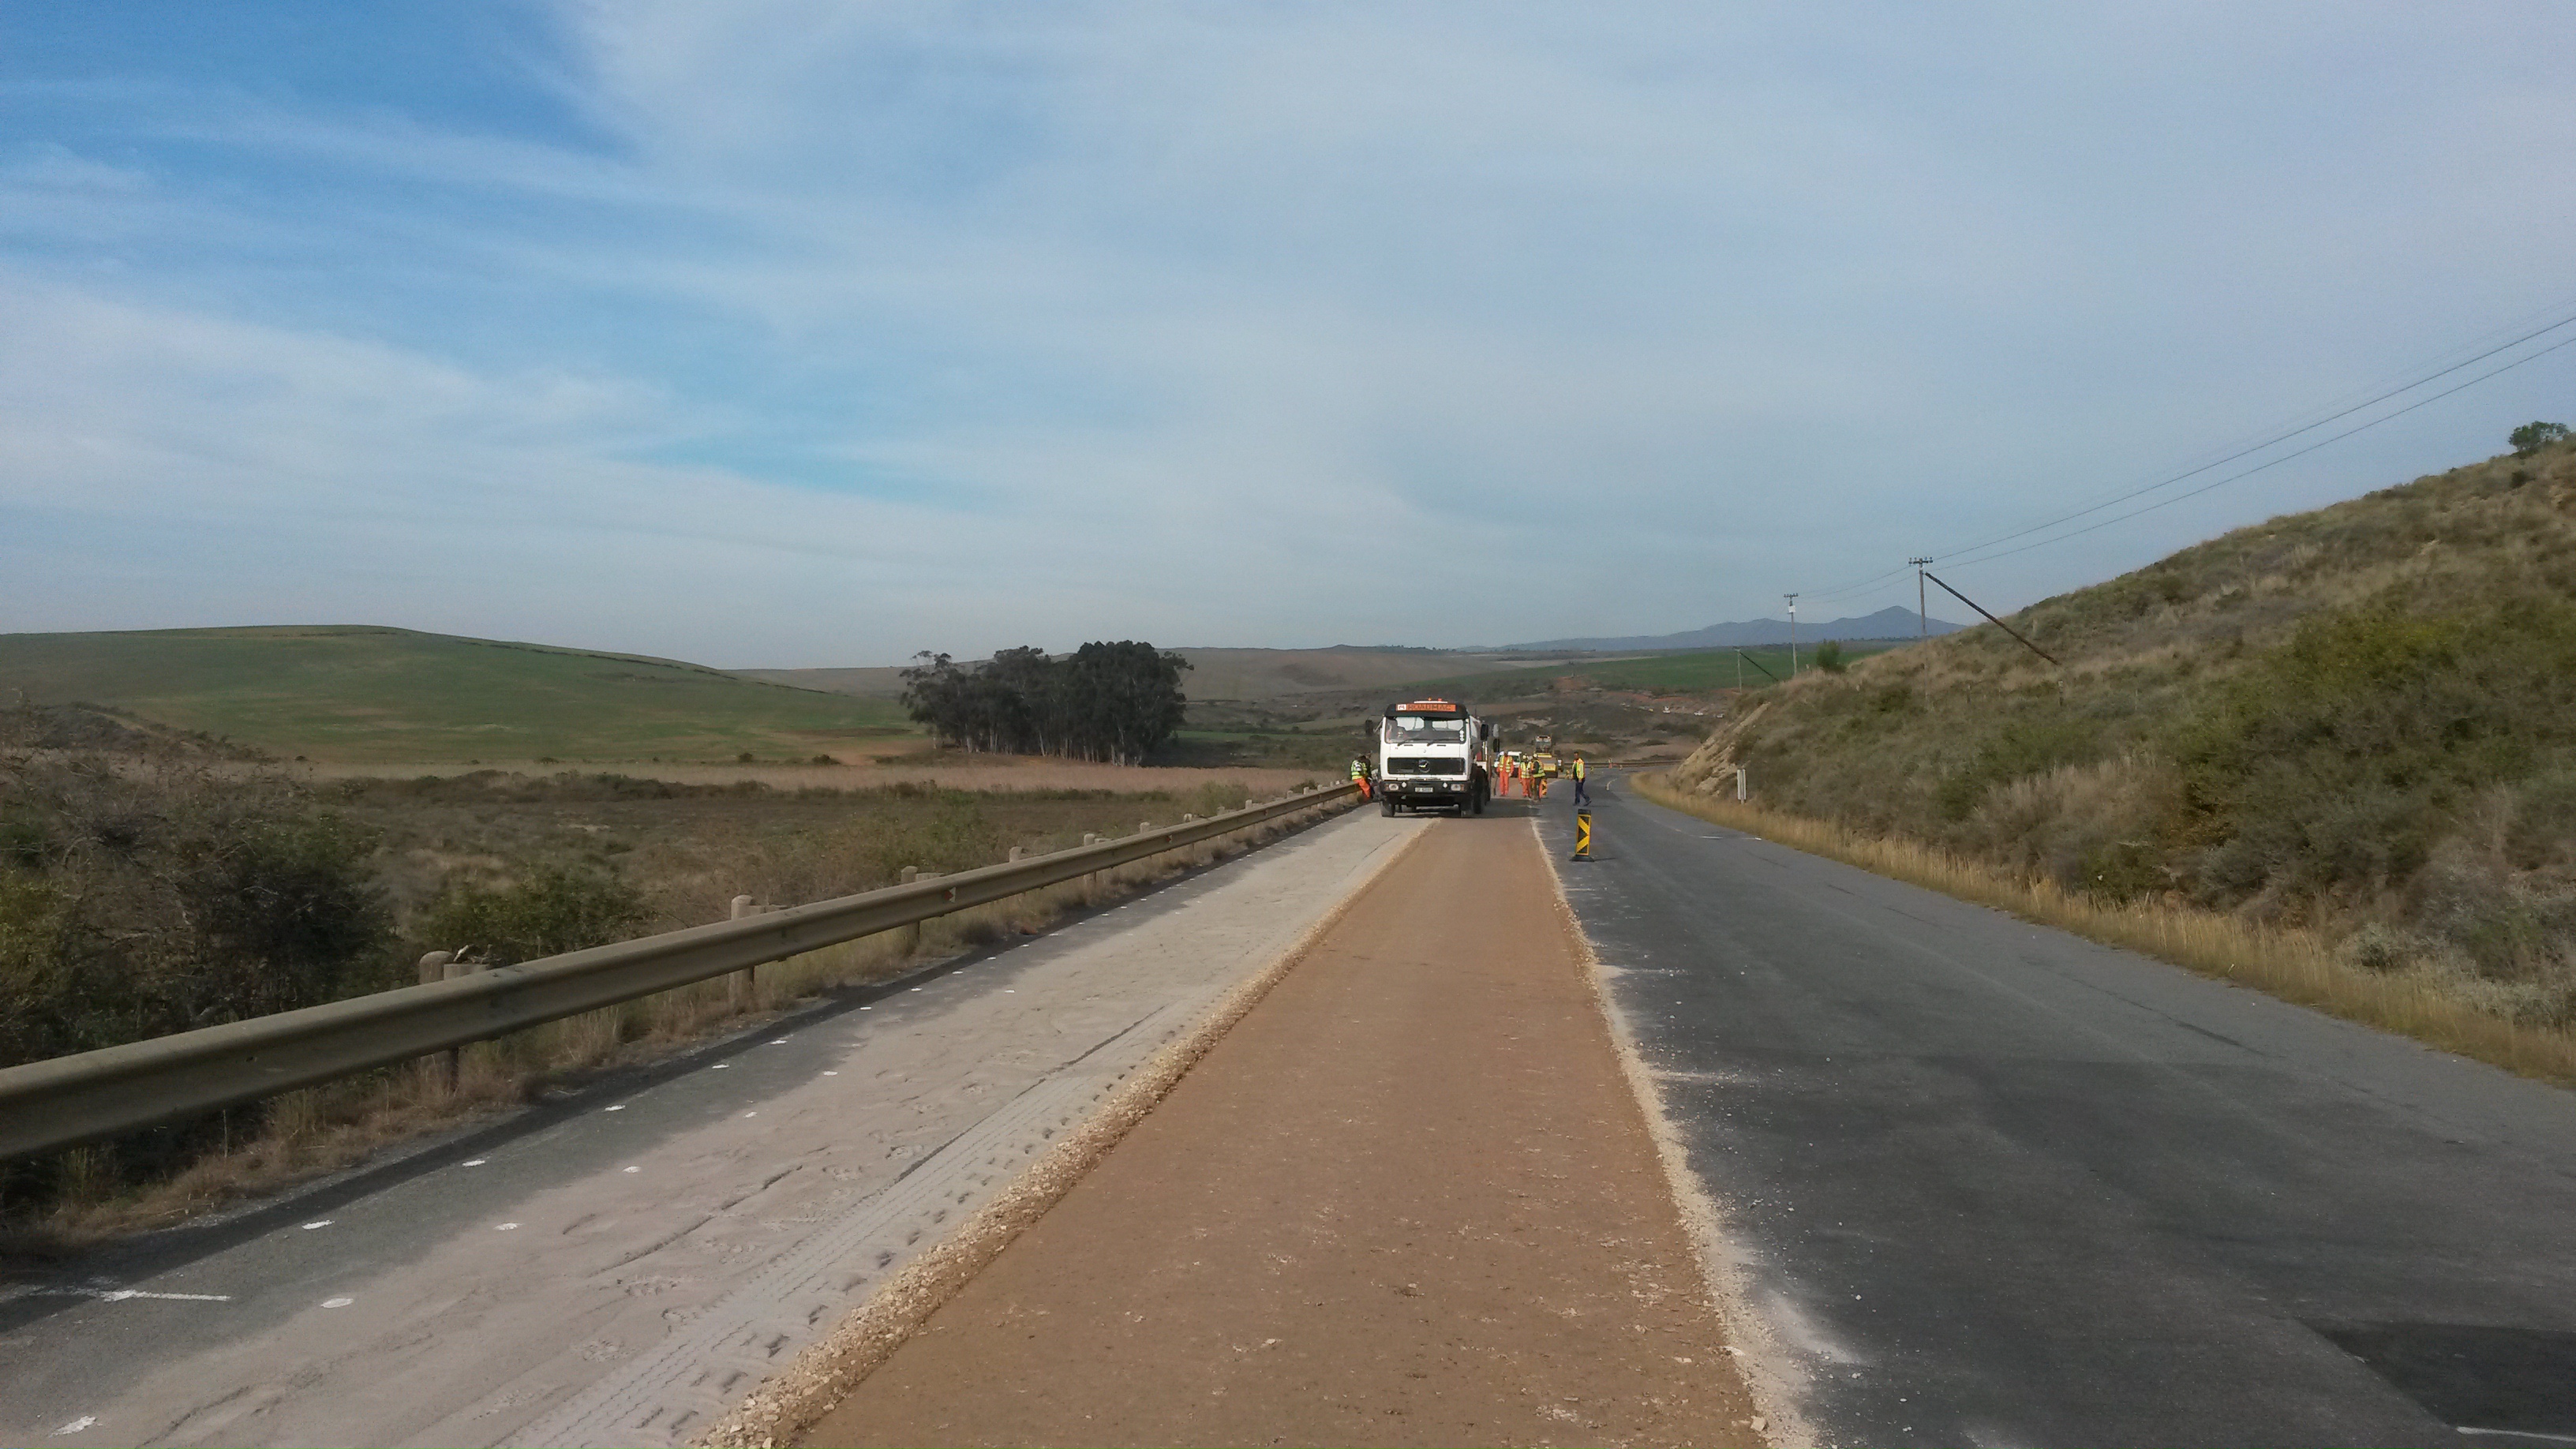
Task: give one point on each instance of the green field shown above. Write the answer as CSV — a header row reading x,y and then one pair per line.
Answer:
x,y
360,694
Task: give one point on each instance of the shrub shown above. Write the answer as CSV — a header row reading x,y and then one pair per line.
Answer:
x,y
1829,657
549,910
138,904
2530,438
2338,758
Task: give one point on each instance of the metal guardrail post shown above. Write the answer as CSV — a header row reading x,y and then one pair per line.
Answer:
x,y
741,985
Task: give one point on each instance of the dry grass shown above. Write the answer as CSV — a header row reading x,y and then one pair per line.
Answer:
x,y
312,1133
954,771
2292,963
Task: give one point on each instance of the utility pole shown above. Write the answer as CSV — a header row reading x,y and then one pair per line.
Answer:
x,y
1922,614
1793,634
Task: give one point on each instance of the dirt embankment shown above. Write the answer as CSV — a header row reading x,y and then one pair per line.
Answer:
x,y
1409,1199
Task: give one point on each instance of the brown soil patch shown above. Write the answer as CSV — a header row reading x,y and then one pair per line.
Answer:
x,y
1408,1199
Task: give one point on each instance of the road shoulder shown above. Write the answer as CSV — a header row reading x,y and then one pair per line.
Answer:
x,y
1409,1198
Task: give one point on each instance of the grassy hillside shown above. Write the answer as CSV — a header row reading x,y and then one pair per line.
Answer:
x,y
2360,720
360,693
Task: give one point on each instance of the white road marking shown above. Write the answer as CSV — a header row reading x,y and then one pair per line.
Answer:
x,y
119,1295
620,1107
317,1223
751,1114
634,1169
503,1227
720,1066
867,1008
338,1302
782,1041
76,1425
476,1161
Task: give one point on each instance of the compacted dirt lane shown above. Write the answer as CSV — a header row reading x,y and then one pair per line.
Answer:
x,y
1409,1199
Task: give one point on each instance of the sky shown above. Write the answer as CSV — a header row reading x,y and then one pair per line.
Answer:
x,y
815,332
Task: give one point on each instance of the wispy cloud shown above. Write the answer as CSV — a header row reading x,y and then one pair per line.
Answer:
x,y
812,331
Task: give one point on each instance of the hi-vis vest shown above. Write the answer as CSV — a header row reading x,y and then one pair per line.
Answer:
x,y
1578,769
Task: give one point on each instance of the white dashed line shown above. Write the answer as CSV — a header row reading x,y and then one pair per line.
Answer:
x,y
720,1066
751,1114
831,1074
620,1107
634,1169
317,1223
503,1227
782,1041
119,1295
76,1425
475,1161
338,1302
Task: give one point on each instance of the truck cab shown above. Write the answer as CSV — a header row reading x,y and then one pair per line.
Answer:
x,y
1433,754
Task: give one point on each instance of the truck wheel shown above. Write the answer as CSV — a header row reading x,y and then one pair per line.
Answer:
x,y
1476,801
1386,805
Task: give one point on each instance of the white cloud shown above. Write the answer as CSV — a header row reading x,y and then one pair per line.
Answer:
x,y
1204,324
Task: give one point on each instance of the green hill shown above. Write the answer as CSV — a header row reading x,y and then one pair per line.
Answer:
x,y
357,693
2361,719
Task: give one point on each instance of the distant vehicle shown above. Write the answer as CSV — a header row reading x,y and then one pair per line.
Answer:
x,y
1433,754
1544,766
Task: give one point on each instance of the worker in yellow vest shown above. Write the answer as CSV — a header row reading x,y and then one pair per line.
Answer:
x,y
1581,772
1359,776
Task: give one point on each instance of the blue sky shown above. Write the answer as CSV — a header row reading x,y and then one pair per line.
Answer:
x,y
791,332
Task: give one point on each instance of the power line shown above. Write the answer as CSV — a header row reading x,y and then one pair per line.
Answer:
x,y
1952,554
2259,467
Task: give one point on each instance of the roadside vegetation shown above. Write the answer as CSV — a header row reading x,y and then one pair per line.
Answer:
x,y
149,891
2352,730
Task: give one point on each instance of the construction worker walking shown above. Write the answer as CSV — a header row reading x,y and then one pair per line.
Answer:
x,y
1581,773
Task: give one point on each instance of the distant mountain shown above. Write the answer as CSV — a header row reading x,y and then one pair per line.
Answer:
x,y
1888,623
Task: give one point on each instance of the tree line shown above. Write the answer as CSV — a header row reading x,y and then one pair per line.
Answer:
x,y
1107,702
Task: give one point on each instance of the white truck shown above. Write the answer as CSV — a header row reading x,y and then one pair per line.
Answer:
x,y
1433,754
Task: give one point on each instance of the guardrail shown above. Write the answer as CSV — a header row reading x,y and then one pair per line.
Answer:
x,y
66,1101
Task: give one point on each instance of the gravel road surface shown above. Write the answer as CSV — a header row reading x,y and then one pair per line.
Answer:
x,y
1993,1184
621,1266
1409,1199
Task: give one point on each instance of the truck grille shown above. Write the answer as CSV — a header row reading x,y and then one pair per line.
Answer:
x,y
1425,765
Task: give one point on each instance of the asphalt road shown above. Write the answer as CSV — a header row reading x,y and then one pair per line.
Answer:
x,y
1993,1184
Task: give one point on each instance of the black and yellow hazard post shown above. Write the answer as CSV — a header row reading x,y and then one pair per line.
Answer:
x,y
1582,835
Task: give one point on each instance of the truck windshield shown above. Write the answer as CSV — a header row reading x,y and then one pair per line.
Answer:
x,y
1414,729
